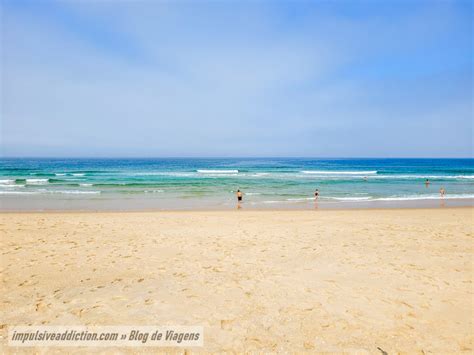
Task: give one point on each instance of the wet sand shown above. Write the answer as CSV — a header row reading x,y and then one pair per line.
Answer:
x,y
117,203
274,281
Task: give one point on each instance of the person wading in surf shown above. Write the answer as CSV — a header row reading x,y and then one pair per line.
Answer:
x,y
442,192
316,194
239,196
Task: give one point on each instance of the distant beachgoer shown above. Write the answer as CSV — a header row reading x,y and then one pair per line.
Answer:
x,y
427,182
316,194
442,192
239,196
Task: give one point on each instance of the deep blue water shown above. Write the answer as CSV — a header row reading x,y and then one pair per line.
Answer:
x,y
263,180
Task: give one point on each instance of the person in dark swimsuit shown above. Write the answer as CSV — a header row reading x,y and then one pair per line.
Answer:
x,y
239,196
316,194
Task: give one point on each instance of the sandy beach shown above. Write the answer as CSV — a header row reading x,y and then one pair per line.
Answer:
x,y
393,280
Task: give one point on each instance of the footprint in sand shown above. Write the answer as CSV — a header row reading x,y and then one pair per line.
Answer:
x,y
41,306
78,312
226,324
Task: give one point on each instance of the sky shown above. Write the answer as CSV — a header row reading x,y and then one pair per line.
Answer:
x,y
236,78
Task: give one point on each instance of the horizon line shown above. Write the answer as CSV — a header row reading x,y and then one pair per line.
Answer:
x,y
226,157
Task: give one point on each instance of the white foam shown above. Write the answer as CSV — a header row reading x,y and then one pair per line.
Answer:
x,y
409,176
37,181
154,191
7,182
78,174
43,191
11,187
75,192
351,198
372,199
18,192
204,171
335,172
85,184
163,173
252,193
60,174
425,197
180,174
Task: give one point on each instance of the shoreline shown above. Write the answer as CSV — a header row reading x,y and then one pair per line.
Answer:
x,y
122,205
242,210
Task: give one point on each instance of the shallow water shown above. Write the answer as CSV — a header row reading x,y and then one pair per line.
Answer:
x,y
212,183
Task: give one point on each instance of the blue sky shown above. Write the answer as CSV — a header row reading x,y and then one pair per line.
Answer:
x,y
237,78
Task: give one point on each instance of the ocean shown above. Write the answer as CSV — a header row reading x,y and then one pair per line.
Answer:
x,y
189,183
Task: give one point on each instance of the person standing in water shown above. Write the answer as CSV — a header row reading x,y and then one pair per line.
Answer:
x,y
427,183
316,194
239,196
442,192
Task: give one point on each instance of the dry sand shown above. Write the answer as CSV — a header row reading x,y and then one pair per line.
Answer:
x,y
316,281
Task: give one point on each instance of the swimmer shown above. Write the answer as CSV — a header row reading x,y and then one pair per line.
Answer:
x,y
316,194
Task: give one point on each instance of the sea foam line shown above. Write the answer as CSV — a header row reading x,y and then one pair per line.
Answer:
x,y
373,199
7,182
352,198
205,171
37,181
409,176
428,197
38,192
335,172
18,192
404,198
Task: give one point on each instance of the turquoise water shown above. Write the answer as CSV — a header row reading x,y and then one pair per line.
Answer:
x,y
264,181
